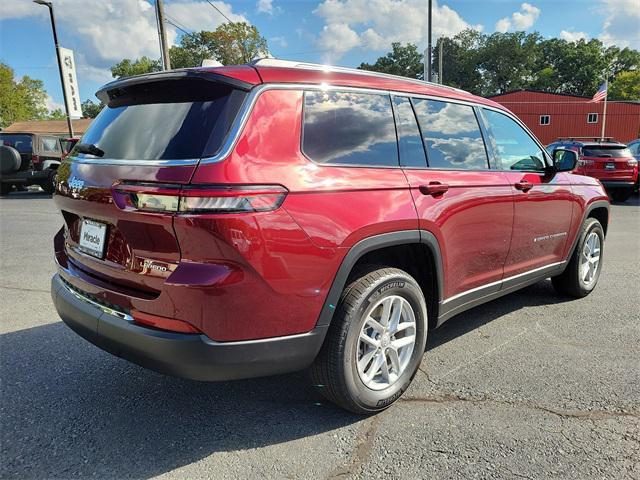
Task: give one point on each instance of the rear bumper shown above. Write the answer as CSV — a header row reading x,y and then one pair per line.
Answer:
x,y
615,184
25,176
192,356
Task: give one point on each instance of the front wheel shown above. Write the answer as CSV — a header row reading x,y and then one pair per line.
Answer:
x,y
49,186
582,273
622,194
375,343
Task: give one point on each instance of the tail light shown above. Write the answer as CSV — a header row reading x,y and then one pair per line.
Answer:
x,y
35,159
582,162
176,199
632,162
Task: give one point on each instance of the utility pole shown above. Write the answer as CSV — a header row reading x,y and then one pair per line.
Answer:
x,y
429,49
55,41
164,50
440,75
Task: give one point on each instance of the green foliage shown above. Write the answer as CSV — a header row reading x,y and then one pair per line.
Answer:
x,y
91,109
127,68
625,86
402,60
230,44
492,64
20,100
57,114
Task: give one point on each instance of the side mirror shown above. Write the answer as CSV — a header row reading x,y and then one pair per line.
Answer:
x,y
564,160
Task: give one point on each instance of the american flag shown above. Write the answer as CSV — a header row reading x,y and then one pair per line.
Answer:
x,y
601,93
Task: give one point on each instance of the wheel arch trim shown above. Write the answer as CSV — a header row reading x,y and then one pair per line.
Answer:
x,y
377,242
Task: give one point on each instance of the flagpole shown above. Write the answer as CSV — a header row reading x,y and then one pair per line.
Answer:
x,y
604,112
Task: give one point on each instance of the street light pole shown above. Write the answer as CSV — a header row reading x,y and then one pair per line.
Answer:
x,y
55,41
429,48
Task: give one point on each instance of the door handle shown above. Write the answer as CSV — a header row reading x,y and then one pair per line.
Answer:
x,y
433,188
523,185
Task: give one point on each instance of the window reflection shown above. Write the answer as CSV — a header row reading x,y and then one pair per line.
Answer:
x,y
451,135
349,128
516,150
409,139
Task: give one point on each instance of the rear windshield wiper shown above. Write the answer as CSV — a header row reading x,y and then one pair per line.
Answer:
x,y
89,148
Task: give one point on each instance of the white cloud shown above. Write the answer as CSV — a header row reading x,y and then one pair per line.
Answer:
x,y
572,36
265,6
520,20
280,41
375,24
103,32
52,104
621,25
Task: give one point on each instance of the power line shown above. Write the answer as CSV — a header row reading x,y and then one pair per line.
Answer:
x,y
219,11
176,24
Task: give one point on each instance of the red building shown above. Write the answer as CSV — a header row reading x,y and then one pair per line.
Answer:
x,y
553,115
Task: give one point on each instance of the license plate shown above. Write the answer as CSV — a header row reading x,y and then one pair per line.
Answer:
x,y
92,235
610,166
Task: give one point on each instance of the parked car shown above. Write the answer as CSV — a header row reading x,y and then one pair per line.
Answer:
x,y
634,147
28,159
67,144
609,161
271,217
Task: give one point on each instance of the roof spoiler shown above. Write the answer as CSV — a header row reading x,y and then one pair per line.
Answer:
x,y
107,92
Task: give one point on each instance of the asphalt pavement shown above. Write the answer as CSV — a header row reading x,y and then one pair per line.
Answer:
x,y
533,385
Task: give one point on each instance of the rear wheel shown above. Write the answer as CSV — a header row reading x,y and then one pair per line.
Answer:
x,y
49,186
582,273
375,342
621,194
5,189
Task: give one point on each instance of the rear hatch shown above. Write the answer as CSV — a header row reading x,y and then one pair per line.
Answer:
x,y
607,162
151,135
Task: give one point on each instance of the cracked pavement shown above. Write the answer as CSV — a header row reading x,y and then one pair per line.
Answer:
x,y
532,385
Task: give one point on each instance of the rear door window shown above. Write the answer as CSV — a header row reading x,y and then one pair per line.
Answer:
x,y
171,120
349,128
409,138
451,134
515,148
50,144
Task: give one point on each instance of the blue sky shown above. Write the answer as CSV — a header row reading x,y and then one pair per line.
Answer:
x,y
342,32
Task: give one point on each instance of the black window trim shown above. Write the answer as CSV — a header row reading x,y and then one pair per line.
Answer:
x,y
395,118
382,93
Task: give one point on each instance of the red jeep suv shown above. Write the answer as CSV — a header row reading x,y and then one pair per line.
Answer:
x,y
233,222
609,161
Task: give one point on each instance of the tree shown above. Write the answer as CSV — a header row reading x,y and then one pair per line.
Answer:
x,y
460,56
91,109
127,68
625,86
57,114
23,99
405,61
230,44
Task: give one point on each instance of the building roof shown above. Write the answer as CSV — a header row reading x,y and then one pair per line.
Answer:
x,y
57,127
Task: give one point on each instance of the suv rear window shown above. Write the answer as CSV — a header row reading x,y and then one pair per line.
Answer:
x,y
349,128
606,151
170,120
22,143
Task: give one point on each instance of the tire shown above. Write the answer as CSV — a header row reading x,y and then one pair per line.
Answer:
x,y
335,371
5,189
622,194
10,160
572,281
50,185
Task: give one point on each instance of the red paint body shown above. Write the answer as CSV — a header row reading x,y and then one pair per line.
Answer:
x,y
257,275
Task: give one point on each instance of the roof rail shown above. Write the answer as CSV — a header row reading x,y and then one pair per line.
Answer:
x,y
276,62
593,139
